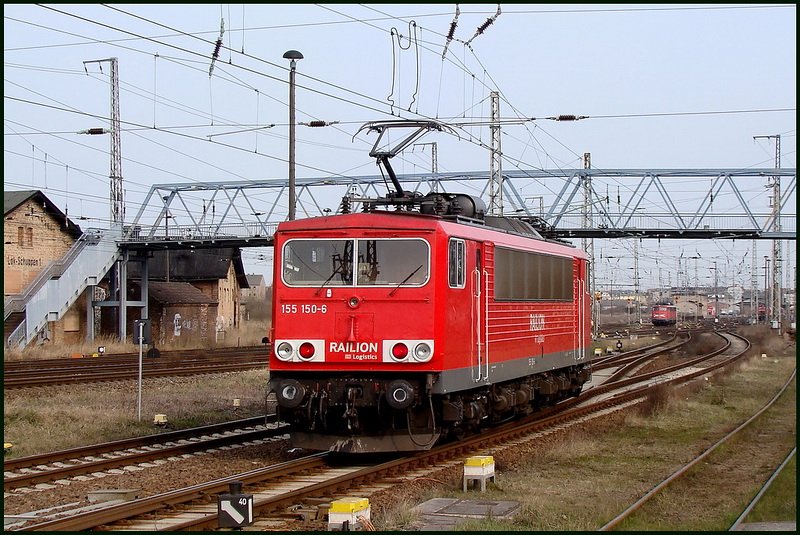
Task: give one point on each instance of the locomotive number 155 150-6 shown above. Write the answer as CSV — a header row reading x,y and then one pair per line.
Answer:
x,y
304,309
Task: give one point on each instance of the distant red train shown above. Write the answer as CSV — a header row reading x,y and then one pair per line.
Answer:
x,y
394,330
664,314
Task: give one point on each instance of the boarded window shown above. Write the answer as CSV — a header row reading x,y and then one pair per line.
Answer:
x,y
526,276
72,321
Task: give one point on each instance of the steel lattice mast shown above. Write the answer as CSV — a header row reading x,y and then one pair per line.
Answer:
x,y
775,298
117,195
495,160
116,191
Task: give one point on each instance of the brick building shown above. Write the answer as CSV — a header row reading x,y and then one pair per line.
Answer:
x,y
37,233
216,273
180,312
257,289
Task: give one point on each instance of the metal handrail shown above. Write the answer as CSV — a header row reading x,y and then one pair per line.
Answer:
x,y
16,302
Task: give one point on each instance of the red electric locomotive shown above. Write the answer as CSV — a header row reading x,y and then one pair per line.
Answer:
x,y
393,330
664,314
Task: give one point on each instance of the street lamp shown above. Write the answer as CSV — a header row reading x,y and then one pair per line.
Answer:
x,y
292,55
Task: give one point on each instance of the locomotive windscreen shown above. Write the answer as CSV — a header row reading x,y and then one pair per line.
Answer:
x,y
332,262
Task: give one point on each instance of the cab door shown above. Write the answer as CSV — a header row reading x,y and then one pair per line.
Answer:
x,y
480,312
582,304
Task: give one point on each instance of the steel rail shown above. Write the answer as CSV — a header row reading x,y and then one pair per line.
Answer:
x,y
130,458
446,452
142,506
762,491
73,377
684,469
135,442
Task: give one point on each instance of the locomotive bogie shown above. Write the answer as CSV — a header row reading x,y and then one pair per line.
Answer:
x,y
374,414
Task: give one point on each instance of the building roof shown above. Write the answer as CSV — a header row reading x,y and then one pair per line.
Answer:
x,y
187,265
178,293
14,199
254,280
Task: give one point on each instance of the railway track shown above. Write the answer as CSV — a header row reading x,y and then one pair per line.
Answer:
x,y
695,462
98,458
67,464
124,366
316,478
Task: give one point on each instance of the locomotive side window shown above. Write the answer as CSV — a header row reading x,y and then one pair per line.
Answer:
x,y
377,262
524,276
456,263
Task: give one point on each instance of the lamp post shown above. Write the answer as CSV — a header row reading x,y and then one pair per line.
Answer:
x,y
293,56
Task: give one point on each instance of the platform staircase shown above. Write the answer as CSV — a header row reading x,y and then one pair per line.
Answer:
x,y
59,285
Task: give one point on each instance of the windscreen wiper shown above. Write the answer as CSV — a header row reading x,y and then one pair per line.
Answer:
x,y
405,280
335,272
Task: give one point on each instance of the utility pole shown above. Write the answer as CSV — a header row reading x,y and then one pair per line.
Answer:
x,y
775,301
767,299
588,246
116,191
716,293
495,163
754,284
434,162
638,316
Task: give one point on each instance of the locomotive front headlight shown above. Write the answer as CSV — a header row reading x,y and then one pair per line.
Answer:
x,y
306,351
399,351
422,352
284,351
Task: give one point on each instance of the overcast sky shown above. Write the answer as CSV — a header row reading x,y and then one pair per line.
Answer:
x,y
663,85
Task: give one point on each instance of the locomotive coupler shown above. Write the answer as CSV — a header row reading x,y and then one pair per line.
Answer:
x,y
350,411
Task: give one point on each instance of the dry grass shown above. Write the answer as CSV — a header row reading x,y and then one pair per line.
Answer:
x,y
54,418
582,477
567,481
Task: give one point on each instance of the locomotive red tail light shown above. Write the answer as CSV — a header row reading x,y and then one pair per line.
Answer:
x,y
300,350
306,350
400,351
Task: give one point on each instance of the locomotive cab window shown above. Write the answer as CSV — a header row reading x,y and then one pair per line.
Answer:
x,y
361,262
456,263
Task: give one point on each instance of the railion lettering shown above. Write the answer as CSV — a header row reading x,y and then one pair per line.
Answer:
x,y
353,347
